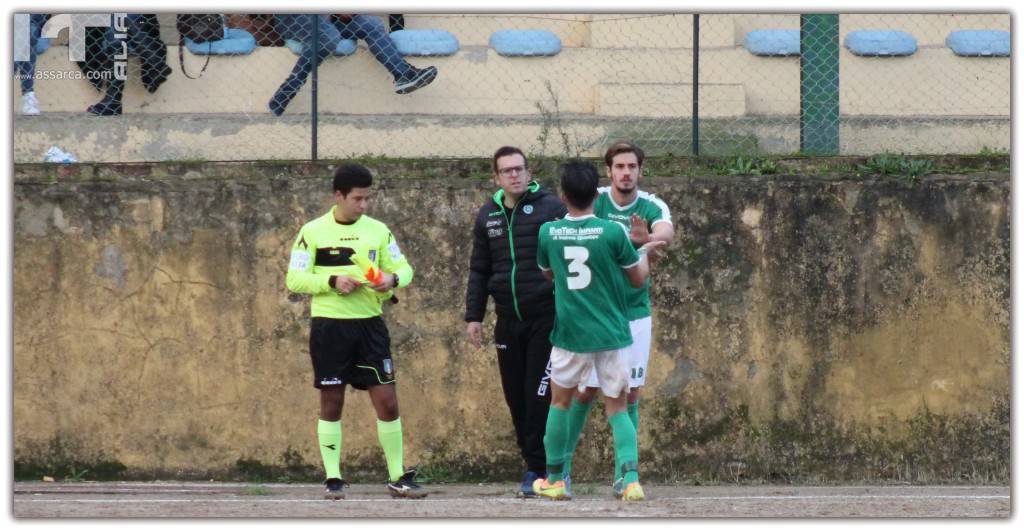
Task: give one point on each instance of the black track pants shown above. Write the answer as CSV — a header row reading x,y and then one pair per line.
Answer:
x,y
524,348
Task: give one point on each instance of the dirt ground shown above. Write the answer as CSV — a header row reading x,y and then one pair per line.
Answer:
x,y
240,500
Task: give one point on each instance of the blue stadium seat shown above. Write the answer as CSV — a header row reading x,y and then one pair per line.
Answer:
x,y
525,43
880,43
235,42
773,42
424,42
344,47
979,43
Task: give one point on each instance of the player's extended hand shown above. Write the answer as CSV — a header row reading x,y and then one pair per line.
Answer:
x,y
639,234
475,333
387,284
345,284
651,249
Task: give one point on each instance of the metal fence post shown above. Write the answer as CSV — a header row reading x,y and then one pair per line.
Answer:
x,y
316,66
819,84
696,91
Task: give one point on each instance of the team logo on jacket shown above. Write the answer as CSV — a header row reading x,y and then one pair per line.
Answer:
x,y
373,255
528,209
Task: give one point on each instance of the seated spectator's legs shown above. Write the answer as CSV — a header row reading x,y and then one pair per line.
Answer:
x,y
146,44
371,29
300,27
112,48
26,70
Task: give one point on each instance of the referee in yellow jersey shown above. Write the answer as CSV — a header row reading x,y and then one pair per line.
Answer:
x,y
350,263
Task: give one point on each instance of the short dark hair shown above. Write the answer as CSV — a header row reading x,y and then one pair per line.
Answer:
x,y
349,176
620,147
505,151
579,183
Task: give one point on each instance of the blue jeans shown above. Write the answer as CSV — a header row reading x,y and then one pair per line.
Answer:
x,y
300,27
26,70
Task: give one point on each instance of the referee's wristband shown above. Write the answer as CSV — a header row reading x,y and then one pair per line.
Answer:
x,y
332,280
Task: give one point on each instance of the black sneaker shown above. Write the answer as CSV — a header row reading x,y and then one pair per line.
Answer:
x,y
154,83
108,106
416,78
334,489
405,487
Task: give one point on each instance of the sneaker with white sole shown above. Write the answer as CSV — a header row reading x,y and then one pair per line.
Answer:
x,y
415,79
405,487
29,104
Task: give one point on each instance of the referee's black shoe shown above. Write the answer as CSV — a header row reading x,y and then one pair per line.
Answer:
x,y
334,489
405,487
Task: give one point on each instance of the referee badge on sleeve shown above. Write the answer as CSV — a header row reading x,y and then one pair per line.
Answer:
x,y
300,260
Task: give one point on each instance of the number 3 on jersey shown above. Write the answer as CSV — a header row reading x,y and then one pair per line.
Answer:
x,y
579,273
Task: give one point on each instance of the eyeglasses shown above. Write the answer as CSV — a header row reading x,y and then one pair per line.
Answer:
x,y
507,172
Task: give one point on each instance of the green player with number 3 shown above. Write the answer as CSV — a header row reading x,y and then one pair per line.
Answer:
x,y
591,262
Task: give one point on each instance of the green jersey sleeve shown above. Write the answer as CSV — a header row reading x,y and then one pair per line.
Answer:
x,y
302,276
542,249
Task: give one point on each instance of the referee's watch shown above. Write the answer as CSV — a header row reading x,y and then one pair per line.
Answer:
x,y
395,275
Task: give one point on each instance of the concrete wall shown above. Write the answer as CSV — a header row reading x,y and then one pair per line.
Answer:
x,y
805,328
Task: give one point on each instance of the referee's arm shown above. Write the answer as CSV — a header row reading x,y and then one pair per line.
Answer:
x,y
393,261
302,276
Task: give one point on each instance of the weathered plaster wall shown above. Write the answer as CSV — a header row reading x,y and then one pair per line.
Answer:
x,y
804,327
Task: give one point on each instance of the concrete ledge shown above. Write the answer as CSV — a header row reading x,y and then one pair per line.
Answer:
x,y
261,137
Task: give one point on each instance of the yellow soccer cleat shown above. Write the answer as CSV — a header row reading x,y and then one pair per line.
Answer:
x,y
633,492
555,491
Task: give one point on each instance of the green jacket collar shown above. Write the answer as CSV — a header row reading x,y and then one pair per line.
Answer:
x,y
499,196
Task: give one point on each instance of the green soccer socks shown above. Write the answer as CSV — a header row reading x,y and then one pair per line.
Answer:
x,y
555,438
624,434
329,435
633,410
578,412
390,436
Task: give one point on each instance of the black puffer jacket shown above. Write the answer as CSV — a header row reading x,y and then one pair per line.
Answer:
x,y
506,268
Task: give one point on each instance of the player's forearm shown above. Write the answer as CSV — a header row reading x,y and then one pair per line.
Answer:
x,y
663,232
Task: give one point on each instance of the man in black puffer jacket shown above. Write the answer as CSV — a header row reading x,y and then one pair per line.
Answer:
x,y
504,265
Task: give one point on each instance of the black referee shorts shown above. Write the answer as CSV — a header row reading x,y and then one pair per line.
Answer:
x,y
356,352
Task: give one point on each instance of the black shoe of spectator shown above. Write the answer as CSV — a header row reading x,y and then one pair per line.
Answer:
x,y
279,102
414,79
154,83
108,106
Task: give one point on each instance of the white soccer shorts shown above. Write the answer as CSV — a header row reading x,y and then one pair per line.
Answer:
x,y
569,369
634,357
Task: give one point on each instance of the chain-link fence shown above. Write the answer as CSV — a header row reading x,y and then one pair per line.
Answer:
x,y
239,87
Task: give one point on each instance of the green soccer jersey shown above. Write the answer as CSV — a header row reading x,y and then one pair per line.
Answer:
x,y
586,256
652,210
325,247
